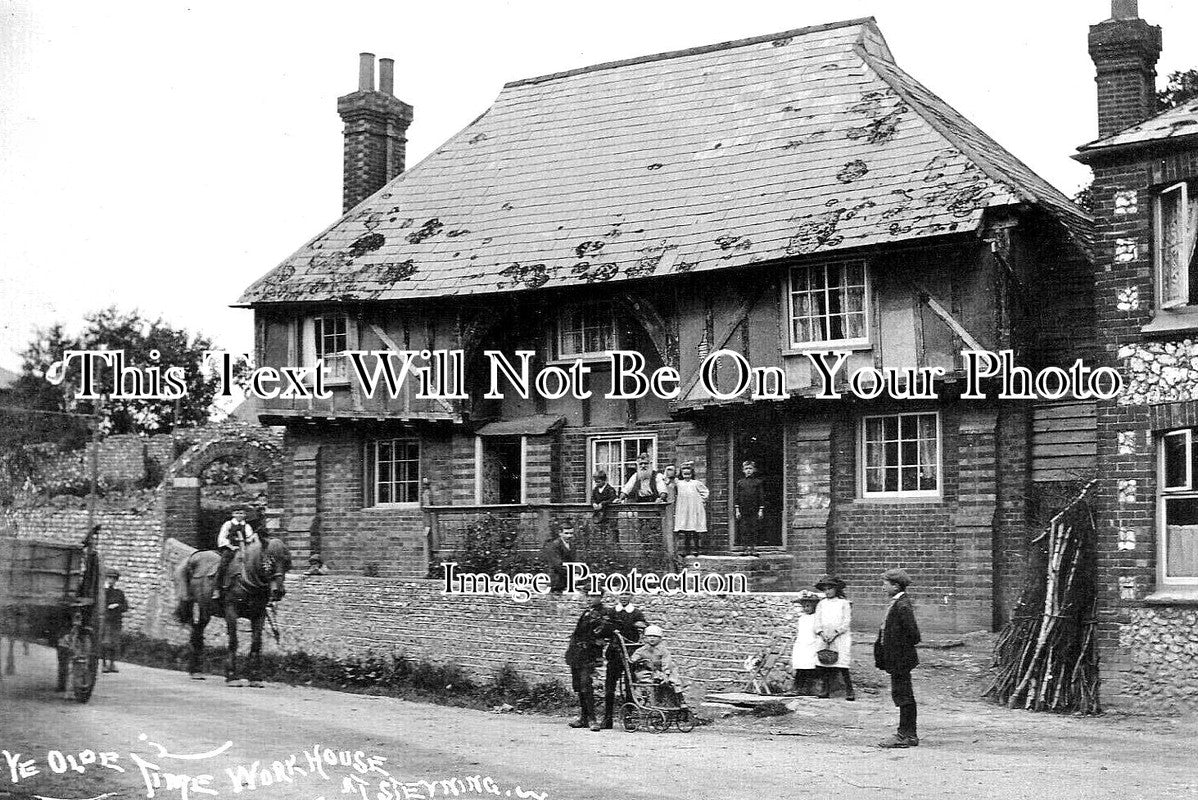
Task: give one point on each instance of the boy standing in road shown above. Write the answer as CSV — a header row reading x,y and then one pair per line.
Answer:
x,y
115,607
894,653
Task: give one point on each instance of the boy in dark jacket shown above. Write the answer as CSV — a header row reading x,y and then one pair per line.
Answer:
x,y
603,495
894,653
556,552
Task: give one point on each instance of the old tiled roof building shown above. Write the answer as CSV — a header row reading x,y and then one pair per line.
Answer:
x,y
775,196
1146,208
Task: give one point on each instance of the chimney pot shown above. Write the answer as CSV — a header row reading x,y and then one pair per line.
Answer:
x,y
366,72
387,76
1125,9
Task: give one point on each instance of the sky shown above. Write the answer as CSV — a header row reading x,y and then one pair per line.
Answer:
x,y
162,155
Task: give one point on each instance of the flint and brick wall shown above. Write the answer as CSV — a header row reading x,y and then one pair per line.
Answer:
x,y
131,541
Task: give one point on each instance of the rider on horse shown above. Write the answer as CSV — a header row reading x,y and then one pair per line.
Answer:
x,y
234,534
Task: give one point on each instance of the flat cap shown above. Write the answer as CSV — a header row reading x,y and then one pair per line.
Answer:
x,y
897,576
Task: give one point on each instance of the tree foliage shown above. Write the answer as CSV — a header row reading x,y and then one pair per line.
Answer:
x,y
139,338
1181,88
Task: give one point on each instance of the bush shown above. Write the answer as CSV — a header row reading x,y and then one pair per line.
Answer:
x,y
393,675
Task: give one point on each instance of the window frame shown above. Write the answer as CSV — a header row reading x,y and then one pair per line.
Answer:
x,y
900,494
559,350
336,365
370,464
858,343
1163,495
479,449
1158,249
616,481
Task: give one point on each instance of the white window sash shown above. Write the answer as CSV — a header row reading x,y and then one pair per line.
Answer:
x,y
616,462
1187,438
394,483
1174,289
863,451
584,315
825,319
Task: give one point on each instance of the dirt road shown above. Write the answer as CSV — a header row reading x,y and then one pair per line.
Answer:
x,y
820,751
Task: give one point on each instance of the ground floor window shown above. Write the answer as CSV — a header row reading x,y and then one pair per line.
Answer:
x,y
617,455
499,470
393,471
1178,508
901,455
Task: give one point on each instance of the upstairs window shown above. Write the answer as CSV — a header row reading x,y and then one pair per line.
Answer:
x,y
330,341
1178,509
586,331
828,304
1176,227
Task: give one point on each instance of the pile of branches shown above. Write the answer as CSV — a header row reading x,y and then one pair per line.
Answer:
x,y
1046,657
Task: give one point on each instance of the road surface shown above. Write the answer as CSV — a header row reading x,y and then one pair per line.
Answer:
x,y
384,748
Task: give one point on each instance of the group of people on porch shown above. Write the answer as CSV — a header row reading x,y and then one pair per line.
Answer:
x,y
684,495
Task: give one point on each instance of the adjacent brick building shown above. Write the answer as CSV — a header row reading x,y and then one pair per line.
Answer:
x,y
777,196
1146,295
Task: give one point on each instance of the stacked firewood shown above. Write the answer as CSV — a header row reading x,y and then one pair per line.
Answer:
x,y
1046,658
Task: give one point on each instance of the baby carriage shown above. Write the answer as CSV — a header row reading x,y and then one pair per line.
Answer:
x,y
652,705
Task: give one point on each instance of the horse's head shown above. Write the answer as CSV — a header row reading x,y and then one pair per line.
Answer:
x,y
275,563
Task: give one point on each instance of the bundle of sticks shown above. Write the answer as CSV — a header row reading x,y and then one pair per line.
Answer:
x,y
1046,657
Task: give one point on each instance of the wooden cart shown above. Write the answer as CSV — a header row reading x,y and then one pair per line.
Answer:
x,y
55,592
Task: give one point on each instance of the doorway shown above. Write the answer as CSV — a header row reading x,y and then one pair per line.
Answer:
x,y
762,446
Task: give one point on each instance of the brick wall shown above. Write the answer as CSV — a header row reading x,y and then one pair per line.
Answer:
x,y
131,541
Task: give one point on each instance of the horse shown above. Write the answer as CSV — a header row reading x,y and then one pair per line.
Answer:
x,y
259,569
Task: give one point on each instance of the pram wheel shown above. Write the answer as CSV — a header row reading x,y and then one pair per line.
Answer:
x,y
631,716
685,720
658,721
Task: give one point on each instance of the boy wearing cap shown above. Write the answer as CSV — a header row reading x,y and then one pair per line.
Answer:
x,y
894,653
652,661
235,533
115,607
603,495
583,656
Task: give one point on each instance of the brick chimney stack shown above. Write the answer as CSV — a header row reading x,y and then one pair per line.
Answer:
x,y
376,126
1124,49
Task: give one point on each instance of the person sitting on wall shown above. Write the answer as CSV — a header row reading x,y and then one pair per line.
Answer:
x,y
652,663
644,485
591,632
556,551
603,495
234,534
316,565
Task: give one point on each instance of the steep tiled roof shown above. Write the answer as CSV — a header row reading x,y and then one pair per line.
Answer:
x,y
1172,124
803,142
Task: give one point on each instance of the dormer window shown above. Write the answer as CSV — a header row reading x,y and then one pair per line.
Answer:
x,y
586,331
1175,232
828,304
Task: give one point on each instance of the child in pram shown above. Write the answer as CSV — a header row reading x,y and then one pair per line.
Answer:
x,y
652,663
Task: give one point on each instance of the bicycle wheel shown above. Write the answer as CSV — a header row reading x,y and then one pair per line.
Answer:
x,y
85,663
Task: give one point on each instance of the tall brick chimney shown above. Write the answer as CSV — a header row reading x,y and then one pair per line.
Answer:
x,y
1124,49
376,126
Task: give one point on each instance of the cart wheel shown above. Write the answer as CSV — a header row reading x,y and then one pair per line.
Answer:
x,y
685,720
658,721
85,663
632,717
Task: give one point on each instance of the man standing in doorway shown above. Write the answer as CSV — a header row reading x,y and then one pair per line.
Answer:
x,y
894,653
750,507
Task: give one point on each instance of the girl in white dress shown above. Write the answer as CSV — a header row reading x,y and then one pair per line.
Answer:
x,y
802,658
690,515
833,624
